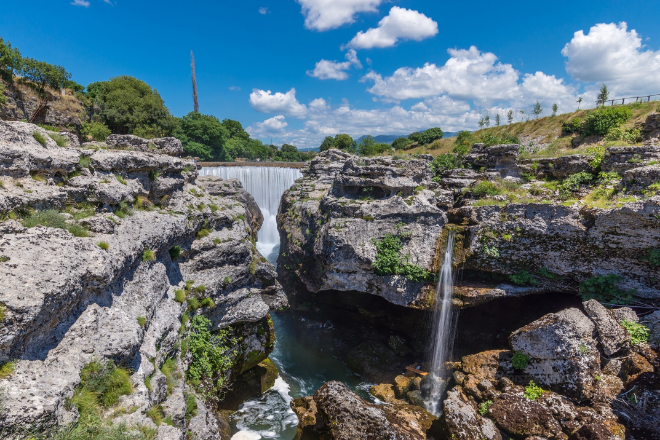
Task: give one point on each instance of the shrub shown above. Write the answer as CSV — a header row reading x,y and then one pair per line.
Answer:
x,y
445,162
533,392
604,289
60,140
179,296
388,260
209,356
602,119
464,139
154,175
226,281
573,125
638,333
102,384
484,406
39,138
573,183
175,252
652,257
486,188
96,130
51,218
523,278
491,251
401,143
520,360
200,289
148,255
208,303
103,245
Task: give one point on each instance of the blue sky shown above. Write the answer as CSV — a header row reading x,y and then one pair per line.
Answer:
x,y
390,67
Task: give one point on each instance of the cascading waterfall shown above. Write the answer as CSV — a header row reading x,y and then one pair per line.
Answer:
x,y
442,338
266,184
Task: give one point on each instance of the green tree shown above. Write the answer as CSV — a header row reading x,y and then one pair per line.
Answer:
x,y
509,116
487,121
127,103
537,109
233,149
204,136
497,120
579,101
10,61
287,148
415,137
327,144
401,143
345,142
370,147
41,75
235,129
603,96
431,135
481,123
555,107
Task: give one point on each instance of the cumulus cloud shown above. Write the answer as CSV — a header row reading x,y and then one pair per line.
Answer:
x,y
612,54
284,103
83,3
400,24
335,70
274,125
263,10
468,74
322,15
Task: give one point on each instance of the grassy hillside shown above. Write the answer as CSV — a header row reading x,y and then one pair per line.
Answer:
x,y
546,134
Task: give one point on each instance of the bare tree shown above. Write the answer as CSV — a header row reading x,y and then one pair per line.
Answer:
x,y
194,83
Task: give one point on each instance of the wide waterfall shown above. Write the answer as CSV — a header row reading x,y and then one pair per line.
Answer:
x,y
442,327
266,184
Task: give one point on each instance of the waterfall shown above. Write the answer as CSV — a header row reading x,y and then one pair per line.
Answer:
x,y
442,338
266,184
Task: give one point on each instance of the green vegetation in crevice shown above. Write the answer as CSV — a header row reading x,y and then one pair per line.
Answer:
x,y
520,360
638,332
148,255
39,138
652,257
605,289
533,391
523,278
484,407
6,369
53,219
60,140
390,262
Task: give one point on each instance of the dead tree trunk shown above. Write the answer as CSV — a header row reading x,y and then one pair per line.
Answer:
x,y
194,83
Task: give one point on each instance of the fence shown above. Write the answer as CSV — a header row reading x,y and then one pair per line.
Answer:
x,y
645,98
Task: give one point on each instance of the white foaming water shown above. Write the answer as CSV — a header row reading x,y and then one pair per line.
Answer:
x,y
266,184
442,331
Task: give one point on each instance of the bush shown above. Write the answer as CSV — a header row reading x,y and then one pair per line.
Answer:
x,y
604,289
489,139
573,183
486,188
520,360
652,257
98,131
402,143
148,255
209,357
638,333
39,138
602,119
573,125
389,261
533,392
445,162
51,218
523,278
60,140
175,252
464,139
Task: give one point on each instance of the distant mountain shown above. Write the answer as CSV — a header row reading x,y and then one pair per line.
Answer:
x,y
389,138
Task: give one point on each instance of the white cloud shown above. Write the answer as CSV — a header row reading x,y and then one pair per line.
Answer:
x,y
83,3
263,10
334,69
322,15
274,125
400,24
610,53
468,74
109,2
235,88
284,103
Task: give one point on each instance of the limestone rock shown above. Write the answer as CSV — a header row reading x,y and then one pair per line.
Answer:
x,y
611,335
460,419
620,159
562,352
642,176
168,145
624,313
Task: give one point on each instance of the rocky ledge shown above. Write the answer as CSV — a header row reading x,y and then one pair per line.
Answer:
x,y
124,258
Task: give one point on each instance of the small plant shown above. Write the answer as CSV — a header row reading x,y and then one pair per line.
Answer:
x,y
84,162
532,391
209,357
389,261
154,175
156,414
486,188
208,303
523,278
652,257
491,251
193,304
226,281
121,179
142,321
203,233
545,273
573,183
484,406
171,374
39,138
175,252
604,289
60,140
148,255
638,333
179,296
520,360
6,369
583,349
191,406
101,384
103,245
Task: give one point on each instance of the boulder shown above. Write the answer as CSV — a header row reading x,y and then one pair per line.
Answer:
x,y
557,167
612,337
563,354
460,419
624,314
652,321
642,176
620,159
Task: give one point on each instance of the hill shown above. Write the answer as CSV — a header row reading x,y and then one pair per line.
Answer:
x,y
389,138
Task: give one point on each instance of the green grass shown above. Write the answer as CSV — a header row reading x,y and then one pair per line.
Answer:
x,y
124,210
51,218
208,303
142,321
171,374
148,255
175,252
103,245
39,138
203,233
101,386
193,304
85,162
60,140
179,296
121,179
156,414
6,369
191,406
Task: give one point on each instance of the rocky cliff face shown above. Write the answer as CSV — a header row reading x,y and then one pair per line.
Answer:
x,y
335,217
110,255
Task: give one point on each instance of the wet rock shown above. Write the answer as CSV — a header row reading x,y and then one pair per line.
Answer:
x,y
385,392
490,365
521,416
562,352
404,384
461,420
611,335
340,414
